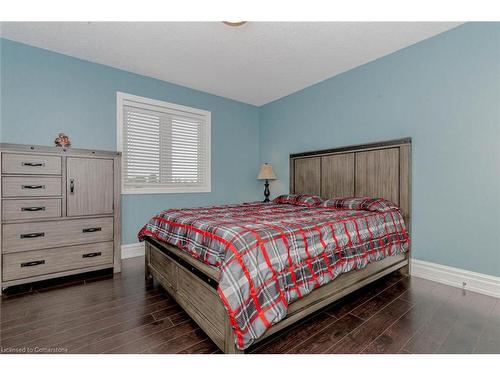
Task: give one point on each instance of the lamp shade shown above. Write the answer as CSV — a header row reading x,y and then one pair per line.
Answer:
x,y
266,172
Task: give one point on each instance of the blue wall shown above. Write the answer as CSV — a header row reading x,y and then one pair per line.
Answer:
x,y
443,92
44,93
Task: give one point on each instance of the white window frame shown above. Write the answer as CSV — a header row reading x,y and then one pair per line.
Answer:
x,y
120,98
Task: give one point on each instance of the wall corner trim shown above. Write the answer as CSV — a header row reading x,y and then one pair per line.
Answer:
x,y
474,281
133,250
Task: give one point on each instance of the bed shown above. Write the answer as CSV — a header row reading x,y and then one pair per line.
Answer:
x,y
244,272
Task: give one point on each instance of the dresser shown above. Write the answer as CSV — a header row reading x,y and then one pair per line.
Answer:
x,y
60,212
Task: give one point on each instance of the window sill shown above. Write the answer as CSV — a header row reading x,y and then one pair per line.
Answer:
x,y
166,191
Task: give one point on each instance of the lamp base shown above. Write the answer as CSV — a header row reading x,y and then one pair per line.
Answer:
x,y
267,193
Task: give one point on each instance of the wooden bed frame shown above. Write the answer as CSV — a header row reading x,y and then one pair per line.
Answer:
x,y
377,169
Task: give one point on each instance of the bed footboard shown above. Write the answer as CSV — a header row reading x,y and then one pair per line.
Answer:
x,y
192,285
195,294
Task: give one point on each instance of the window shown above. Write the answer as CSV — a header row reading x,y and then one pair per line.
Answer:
x,y
165,147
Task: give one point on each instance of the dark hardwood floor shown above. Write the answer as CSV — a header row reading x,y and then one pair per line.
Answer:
x,y
102,313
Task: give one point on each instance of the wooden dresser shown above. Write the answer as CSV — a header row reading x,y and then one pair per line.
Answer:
x,y
60,212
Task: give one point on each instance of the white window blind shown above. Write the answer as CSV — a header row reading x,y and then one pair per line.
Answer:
x,y
165,147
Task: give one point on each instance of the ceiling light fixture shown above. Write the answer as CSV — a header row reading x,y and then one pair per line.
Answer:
x,y
234,23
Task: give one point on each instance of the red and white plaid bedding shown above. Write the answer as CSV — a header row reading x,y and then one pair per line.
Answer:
x,y
271,254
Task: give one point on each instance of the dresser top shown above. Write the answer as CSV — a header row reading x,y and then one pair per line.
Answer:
x,y
13,147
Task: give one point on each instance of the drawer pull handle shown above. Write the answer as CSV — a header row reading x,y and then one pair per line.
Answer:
x,y
34,263
31,187
91,255
32,209
72,185
31,164
90,230
32,235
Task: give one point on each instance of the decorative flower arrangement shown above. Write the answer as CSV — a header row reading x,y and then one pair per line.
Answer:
x,y
62,140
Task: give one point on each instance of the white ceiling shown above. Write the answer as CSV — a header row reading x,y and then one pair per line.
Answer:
x,y
256,63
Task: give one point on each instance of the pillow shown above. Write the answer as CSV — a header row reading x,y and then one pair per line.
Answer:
x,y
361,203
299,200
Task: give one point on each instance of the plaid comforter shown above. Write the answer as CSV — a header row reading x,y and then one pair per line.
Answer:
x,y
271,254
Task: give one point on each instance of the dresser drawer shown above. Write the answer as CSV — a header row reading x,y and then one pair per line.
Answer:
x,y
31,186
22,209
31,164
42,262
23,237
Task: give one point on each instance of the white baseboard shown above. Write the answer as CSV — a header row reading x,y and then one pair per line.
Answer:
x,y
468,280
133,250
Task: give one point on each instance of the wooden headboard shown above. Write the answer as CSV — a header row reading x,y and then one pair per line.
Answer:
x,y
378,170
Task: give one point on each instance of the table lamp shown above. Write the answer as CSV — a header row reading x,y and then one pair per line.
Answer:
x,y
266,173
